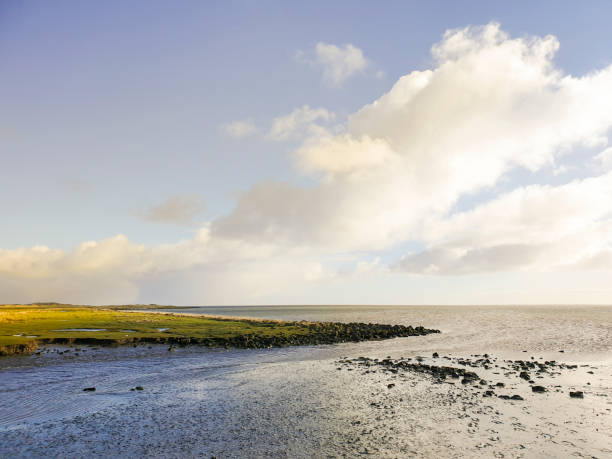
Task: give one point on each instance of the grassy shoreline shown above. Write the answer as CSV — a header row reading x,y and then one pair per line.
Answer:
x,y
24,327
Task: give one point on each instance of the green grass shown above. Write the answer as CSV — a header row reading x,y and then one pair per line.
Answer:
x,y
40,323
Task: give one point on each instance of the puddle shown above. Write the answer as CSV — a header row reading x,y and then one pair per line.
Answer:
x,y
81,329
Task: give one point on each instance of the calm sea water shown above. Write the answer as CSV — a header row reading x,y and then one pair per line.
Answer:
x,y
574,329
292,402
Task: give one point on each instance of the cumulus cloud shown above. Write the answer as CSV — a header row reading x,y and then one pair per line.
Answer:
x,y
394,172
299,121
180,210
533,227
240,129
203,269
491,104
339,62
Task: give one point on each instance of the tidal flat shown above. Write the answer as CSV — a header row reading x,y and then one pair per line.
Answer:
x,y
463,392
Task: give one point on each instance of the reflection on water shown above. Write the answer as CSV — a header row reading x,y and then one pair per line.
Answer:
x,y
293,401
576,329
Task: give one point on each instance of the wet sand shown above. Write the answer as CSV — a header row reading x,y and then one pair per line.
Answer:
x,y
295,402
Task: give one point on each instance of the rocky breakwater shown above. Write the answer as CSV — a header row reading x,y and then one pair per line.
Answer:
x,y
312,333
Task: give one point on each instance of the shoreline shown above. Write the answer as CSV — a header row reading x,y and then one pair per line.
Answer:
x,y
489,386
23,328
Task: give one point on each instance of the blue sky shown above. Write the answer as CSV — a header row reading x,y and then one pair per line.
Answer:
x,y
114,121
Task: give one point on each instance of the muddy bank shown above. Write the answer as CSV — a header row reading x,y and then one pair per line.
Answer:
x,y
18,349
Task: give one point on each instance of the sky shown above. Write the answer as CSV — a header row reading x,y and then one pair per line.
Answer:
x,y
263,152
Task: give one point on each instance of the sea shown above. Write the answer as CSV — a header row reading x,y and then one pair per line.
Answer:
x,y
315,401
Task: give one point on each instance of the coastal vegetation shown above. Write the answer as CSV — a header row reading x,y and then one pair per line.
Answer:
x,y
24,327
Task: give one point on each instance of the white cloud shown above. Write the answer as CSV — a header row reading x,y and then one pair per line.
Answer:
x,y
299,120
339,63
536,227
203,269
240,129
491,104
605,158
344,154
180,210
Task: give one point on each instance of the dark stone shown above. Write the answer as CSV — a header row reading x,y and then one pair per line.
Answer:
x,y
516,397
89,389
139,388
524,375
577,394
435,355
389,386
539,389
500,384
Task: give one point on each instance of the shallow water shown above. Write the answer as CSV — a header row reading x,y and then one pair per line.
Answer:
x,y
578,330
293,402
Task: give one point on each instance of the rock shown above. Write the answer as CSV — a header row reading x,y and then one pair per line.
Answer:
x,y
435,355
524,375
139,388
516,397
389,386
89,389
500,384
577,394
539,389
